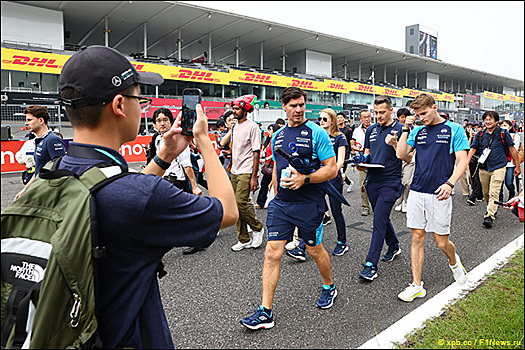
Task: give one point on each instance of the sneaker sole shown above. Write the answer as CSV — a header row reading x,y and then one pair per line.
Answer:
x,y
259,326
344,251
369,278
300,258
471,203
393,256
329,305
239,249
421,294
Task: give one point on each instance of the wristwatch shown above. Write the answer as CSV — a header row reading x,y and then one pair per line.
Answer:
x,y
406,130
162,164
306,179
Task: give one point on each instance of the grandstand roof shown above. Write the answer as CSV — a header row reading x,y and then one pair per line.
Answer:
x,y
84,20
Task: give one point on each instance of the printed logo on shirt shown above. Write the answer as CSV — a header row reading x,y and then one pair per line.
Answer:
x,y
304,133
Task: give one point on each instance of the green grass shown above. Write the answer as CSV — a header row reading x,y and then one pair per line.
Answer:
x,y
489,317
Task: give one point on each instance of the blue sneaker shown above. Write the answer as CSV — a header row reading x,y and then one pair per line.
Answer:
x,y
327,297
259,319
340,248
297,253
391,253
369,272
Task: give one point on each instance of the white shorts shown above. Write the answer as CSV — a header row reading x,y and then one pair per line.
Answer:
x,y
425,212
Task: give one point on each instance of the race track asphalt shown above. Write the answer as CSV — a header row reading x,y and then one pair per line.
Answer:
x,y
206,294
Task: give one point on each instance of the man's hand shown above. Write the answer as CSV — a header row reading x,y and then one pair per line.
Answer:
x,y
517,170
391,140
295,181
409,121
196,191
443,192
254,184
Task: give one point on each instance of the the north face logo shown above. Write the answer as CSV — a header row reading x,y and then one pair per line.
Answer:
x,y
28,272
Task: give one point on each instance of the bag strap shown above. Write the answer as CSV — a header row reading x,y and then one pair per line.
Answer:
x,y
23,315
12,308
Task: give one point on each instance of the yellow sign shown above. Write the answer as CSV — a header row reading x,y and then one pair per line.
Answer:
x,y
197,75
258,78
447,97
336,86
493,96
307,84
29,61
514,98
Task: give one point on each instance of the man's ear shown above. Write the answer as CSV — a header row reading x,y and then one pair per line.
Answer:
x,y
117,106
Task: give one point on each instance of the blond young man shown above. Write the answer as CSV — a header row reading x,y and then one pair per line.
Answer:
x,y
439,143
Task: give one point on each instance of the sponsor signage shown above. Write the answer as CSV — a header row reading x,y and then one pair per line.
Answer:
x,y
307,84
514,98
337,86
258,78
133,151
29,61
493,96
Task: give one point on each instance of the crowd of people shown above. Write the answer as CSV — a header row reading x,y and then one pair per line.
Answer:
x,y
409,162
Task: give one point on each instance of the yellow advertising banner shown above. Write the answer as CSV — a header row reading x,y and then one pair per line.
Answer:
x,y
447,97
196,75
337,86
307,84
514,98
493,96
29,61
258,78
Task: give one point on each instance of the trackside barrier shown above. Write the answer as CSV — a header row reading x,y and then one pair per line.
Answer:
x,y
132,151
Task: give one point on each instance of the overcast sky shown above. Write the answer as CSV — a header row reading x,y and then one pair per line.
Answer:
x,y
488,36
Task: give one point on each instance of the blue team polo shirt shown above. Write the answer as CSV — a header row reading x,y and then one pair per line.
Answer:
x,y
47,147
313,143
435,154
497,158
339,141
141,217
381,153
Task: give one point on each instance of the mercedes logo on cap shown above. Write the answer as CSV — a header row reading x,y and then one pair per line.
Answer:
x,y
116,81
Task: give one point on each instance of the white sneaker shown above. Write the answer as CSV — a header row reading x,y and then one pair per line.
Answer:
x,y
398,207
240,246
249,229
412,291
460,274
404,207
291,245
350,187
257,238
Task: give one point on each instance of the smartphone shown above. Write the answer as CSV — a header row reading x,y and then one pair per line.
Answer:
x,y
190,99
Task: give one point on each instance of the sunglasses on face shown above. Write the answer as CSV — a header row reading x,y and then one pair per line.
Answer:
x,y
324,119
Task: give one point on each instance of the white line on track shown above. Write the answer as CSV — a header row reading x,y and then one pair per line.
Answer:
x,y
435,306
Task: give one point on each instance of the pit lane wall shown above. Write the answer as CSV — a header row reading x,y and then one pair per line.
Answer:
x,y
132,151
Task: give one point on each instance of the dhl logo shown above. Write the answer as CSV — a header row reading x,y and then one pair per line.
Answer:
x,y
413,93
39,62
391,92
336,86
258,78
365,88
193,75
303,84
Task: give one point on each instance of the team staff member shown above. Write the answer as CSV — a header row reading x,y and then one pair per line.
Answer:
x,y
383,185
357,145
141,217
47,144
298,203
439,143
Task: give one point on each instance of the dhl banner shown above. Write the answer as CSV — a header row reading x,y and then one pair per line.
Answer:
x,y
29,61
514,98
52,63
337,86
493,96
258,78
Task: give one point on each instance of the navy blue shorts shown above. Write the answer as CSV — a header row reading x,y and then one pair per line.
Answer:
x,y
283,217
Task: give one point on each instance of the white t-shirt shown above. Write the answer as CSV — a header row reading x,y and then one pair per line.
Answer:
x,y
359,137
517,142
177,166
27,153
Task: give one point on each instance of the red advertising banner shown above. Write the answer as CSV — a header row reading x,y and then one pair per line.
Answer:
x,y
132,151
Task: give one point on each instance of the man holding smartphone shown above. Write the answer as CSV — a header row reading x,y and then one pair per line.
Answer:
x,y
245,141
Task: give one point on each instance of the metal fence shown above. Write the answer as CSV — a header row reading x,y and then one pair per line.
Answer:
x,y
12,115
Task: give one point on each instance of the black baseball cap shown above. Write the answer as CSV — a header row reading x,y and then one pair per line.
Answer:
x,y
99,73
